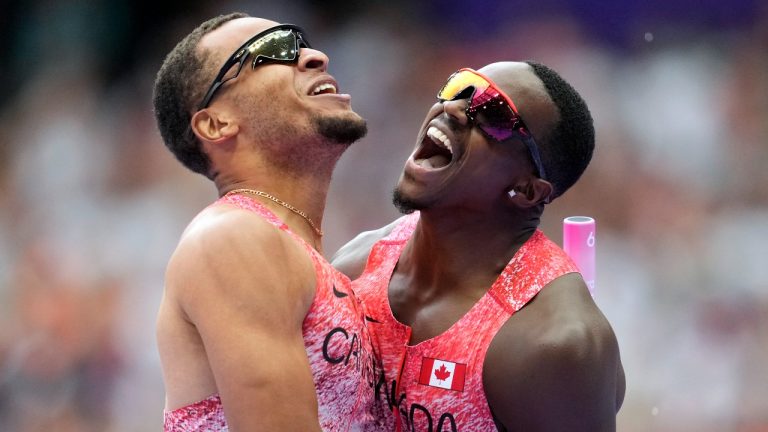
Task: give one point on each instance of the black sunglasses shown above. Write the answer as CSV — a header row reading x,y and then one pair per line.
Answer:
x,y
278,44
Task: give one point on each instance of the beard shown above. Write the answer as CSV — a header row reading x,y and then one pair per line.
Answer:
x,y
340,130
320,143
404,204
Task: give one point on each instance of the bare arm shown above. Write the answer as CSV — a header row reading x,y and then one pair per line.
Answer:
x,y
555,364
351,258
246,287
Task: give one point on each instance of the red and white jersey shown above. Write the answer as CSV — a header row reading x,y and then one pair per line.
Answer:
x,y
437,384
337,342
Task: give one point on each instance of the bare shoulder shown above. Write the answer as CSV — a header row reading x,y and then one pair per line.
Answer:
x,y
556,363
228,252
350,259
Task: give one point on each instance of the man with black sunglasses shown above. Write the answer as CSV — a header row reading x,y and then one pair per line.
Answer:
x,y
481,322
256,331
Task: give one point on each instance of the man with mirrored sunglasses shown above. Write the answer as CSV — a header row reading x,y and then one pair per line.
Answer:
x,y
481,322
256,331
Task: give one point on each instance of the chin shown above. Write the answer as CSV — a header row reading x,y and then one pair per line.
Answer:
x,y
342,128
406,204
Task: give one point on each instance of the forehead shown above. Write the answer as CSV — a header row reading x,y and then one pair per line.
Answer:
x,y
223,41
527,91
517,80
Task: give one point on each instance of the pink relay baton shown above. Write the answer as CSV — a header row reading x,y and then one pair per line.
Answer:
x,y
579,244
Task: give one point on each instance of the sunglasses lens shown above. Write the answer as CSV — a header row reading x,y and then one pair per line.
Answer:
x,y
457,85
279,45
496,118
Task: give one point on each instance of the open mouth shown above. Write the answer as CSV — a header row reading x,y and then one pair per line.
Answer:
x,y
435,151
324,88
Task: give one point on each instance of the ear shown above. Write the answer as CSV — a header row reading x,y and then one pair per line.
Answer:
x,y
531,193
542,191
212,126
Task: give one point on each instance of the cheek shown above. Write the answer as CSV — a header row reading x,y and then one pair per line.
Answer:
x,y
489,162
269,105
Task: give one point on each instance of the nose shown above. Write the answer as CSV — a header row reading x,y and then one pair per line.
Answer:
x,y
457,109
312,59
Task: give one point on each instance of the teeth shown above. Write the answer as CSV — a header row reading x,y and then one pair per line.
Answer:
x,y
439,137
323,87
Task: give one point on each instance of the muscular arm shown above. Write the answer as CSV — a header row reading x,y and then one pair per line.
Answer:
x,y
246,288
555,364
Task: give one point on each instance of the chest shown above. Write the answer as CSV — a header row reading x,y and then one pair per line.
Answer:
x,y
437,375
431,310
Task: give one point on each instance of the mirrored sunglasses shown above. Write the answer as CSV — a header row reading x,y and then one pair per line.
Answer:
x,y
500,119
279,44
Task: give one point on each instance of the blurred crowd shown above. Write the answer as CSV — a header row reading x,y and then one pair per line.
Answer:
x,y
92,204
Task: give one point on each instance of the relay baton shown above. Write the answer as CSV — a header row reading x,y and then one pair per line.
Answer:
x,y
579,244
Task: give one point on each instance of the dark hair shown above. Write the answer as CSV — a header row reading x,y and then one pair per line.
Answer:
x,y
179,87
567,149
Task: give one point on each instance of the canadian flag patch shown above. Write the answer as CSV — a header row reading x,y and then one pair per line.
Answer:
x,y
442,374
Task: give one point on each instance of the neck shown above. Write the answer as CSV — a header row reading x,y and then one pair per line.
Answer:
x,y
455,250
306,192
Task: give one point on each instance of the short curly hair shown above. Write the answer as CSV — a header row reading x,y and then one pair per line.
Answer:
x,y
179,87
567,148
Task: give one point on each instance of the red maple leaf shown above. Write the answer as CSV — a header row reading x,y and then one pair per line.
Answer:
x,y
442,374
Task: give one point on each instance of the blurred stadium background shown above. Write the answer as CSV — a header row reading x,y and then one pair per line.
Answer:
x,y
91,203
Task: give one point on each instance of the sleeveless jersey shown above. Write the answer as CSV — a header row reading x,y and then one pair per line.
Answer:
x,y
437,384
337,342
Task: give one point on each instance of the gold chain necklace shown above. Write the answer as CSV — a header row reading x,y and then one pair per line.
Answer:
x,y
277,200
